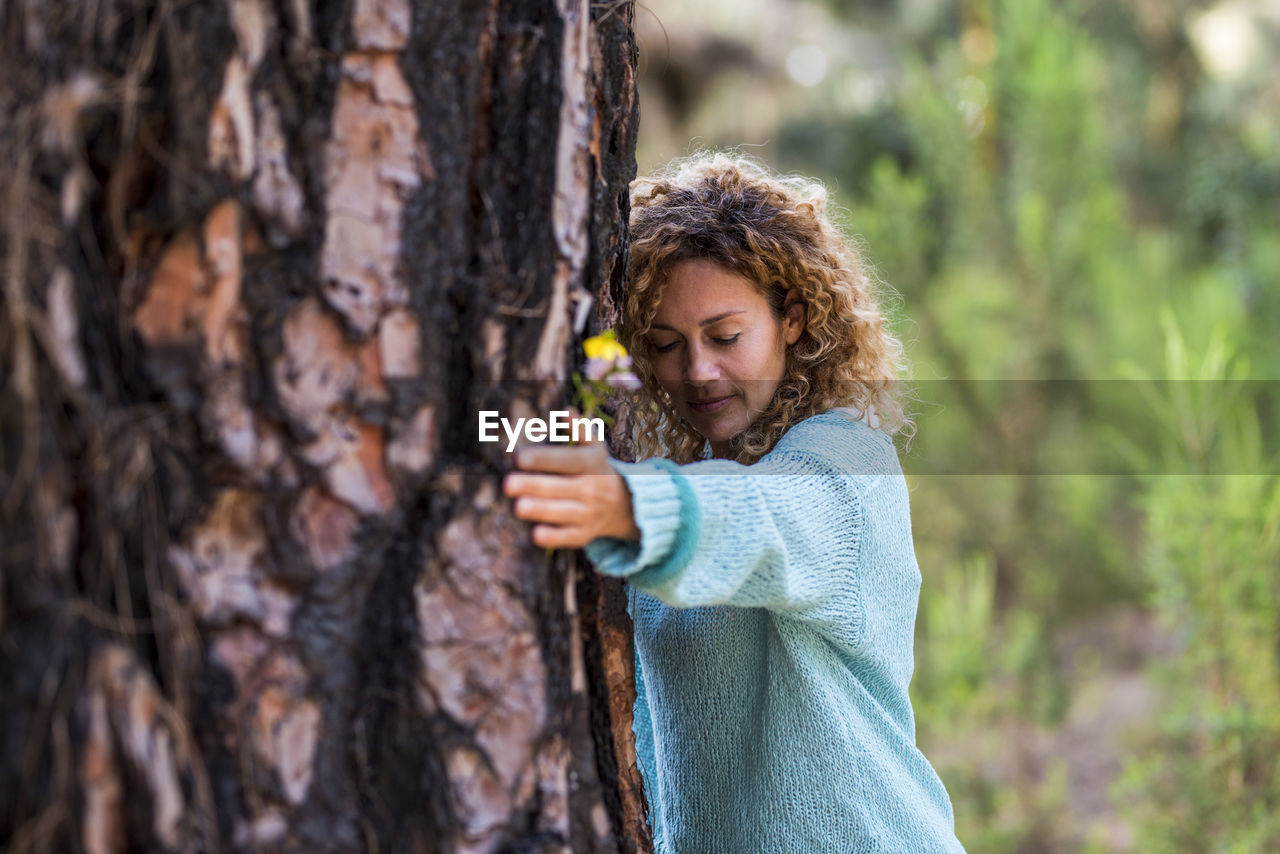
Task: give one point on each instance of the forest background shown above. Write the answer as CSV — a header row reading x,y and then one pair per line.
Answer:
x,y
1075,207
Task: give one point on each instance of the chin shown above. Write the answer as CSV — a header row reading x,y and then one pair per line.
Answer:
x,y
719,432
721,427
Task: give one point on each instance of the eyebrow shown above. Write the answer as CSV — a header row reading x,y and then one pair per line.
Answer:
x,y
707,322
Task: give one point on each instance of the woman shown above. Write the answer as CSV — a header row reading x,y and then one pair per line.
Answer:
x,y
767,539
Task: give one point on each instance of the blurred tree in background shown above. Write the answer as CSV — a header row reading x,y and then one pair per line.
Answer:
x,y
1076,209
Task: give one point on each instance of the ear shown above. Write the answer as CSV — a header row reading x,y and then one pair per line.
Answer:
x,y
794,315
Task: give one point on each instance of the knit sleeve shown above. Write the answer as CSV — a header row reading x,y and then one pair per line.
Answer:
x,y
781,534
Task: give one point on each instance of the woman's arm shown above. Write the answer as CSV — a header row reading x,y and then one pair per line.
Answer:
x,y
781,534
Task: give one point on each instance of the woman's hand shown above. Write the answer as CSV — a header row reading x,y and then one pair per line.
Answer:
x,y
572,493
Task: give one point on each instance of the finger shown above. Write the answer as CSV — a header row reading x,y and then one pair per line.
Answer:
x,y
563,459
556,537
556,511
541,486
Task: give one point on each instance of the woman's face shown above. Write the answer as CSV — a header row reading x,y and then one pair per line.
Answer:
x,y
718,350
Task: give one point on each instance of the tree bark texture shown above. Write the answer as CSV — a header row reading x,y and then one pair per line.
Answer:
x,y
263,263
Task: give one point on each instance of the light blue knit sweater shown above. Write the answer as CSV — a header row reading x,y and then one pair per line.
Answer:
x,y
774,606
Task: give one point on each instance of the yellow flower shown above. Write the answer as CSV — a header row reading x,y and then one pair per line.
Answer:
x,y
604,346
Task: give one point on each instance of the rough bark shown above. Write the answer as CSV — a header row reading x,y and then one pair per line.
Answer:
x,y
263,264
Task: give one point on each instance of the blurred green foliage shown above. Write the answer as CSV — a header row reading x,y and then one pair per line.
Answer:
x,y
1075,193
1208,779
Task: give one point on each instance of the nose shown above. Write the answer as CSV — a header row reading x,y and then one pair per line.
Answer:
x,y
700,367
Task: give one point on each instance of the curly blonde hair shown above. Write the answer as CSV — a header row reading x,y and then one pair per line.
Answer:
x,y
773,230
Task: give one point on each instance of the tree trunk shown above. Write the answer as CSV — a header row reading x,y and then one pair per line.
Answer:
x,y
263,264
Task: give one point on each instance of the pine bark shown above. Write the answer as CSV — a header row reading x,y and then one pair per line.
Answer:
x,y
263,264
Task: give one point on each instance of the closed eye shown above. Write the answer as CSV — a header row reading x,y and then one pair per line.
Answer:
x,y
665,348
725,342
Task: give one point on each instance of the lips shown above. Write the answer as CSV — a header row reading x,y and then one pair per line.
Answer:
x,y
710,404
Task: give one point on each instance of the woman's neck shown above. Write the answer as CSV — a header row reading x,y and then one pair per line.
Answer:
x,y
722,451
